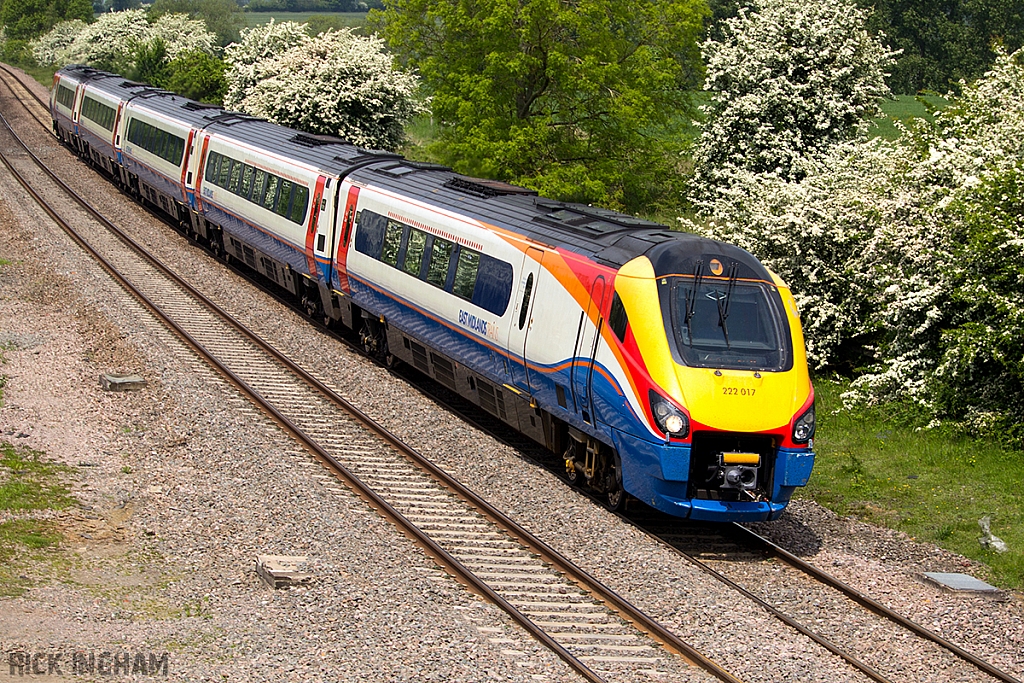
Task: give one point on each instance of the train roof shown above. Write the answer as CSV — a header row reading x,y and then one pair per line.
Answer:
x,y
331,155
606,236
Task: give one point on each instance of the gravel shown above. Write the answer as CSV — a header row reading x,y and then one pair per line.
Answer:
x,y
183,483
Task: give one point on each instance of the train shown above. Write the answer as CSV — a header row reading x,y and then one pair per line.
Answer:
x,y
659,365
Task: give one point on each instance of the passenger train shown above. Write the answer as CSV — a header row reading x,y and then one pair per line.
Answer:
x,y
659,364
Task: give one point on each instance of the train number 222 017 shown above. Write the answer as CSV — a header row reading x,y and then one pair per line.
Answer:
x,y
738,391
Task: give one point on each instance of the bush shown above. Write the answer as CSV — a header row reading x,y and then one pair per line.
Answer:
x,y
789,79
335,84
198,76
907,257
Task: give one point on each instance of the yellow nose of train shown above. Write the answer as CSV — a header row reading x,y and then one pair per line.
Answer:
x,y
723,343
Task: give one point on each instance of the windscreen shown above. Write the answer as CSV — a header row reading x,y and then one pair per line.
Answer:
x,y
725,323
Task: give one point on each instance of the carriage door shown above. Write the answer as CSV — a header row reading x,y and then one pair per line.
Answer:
x,y
586,347
522,317
316,233
348,219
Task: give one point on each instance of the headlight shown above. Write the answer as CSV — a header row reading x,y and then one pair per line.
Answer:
x,y
803,428
670,419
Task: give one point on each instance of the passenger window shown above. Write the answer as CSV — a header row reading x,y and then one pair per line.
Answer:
x,y
493,285
246,186
524,309
440,258
179,151
392,243
257,188
299,203
270,191
284,197
370,233
236,177
225,172
414,252
465,274
212,162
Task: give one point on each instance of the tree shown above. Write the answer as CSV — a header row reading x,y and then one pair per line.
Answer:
x,y
789,80
51,47
259,44
581,100
943,42
958,349
906,256
335,84
149,64
125,43
222,17
27,19
198,76
110,42
181,34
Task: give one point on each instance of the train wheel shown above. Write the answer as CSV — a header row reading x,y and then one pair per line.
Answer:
x,y
616,495
391,361
616,498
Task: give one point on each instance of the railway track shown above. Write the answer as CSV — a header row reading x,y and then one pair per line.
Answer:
x,y
592,629
517,576
789,585
718,549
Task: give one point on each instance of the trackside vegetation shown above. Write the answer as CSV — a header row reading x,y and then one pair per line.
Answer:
x,y
933,484
28,483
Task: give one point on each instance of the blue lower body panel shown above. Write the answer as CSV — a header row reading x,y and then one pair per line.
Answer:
x,y
657,473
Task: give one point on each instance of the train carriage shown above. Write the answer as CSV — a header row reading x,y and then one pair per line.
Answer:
x,y
566,366
658,364
157,131
85,105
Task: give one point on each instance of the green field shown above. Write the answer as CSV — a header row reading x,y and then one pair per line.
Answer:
x,y
933,484
352,19
904,108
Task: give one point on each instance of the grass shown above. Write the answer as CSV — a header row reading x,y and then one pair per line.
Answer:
x,y
932,484
27,483
30,483
903,109
20,541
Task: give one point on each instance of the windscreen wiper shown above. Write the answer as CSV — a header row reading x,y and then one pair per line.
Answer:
x,y
691,298
723,302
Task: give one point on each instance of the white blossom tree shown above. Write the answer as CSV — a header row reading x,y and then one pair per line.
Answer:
x,y
951,301
52,47
110,42
335,84
181,35
815,233
259,44
907,256
788,80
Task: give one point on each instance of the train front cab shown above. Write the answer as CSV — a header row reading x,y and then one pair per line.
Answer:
x,y
725,355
